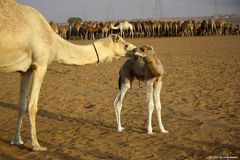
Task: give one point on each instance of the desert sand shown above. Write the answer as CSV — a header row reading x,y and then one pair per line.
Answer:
x,y
76,120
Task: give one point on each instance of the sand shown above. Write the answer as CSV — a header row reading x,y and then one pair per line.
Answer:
x,y
76,119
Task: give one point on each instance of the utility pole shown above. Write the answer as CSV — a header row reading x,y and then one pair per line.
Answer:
x,y
142,10
106,12
158,9
85,10
109,10
215,8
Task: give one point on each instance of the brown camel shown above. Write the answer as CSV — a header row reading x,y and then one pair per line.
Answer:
x,y
92,29
144,66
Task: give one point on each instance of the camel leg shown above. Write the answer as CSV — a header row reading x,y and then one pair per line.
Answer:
x,y
122,34
150,105
118,104
38,75
25,80
157,103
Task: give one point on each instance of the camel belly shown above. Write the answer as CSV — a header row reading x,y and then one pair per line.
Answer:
x,y
15,62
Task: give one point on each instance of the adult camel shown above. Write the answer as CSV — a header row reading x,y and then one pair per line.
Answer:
x,y
124,26
105,28
54,26
28,45
187,28
92,29
63,30
76,28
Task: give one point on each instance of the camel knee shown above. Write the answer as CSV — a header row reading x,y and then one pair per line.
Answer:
x,y
32,110
21,111
22,108
150,106
125,87
157,104
116,101
158,108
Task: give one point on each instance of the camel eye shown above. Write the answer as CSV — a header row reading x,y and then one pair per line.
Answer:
x,y
126,45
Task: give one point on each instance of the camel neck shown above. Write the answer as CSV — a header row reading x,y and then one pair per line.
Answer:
x,y
71,54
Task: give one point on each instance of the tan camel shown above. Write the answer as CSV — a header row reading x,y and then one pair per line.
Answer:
x,y
76,28
63,30
147,68
212,26
28,45
139,29
54,26
105,29
220,23
187,28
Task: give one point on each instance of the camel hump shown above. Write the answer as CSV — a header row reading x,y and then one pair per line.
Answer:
x,y
7,1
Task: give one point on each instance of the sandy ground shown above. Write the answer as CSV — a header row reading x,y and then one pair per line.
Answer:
x,y
76,119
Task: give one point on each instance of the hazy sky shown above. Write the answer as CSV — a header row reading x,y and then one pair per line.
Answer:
x,y
61,10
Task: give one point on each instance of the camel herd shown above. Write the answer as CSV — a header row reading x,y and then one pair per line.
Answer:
x,y
96,30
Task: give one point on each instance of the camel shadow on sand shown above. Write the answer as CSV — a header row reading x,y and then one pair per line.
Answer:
x,y
55,153
79,120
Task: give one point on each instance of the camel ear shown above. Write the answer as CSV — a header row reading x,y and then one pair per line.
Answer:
x,y
134,50
143,49
138,52
116,38
148,47
151,47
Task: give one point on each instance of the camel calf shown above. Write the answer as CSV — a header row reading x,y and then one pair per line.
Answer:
x,y
145,66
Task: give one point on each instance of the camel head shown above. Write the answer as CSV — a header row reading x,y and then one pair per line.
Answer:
x,y
143,51
120,47
151,60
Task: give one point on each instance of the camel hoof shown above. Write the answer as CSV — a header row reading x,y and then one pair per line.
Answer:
x,y
39,148
16,142
121,129
150,133
164,131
